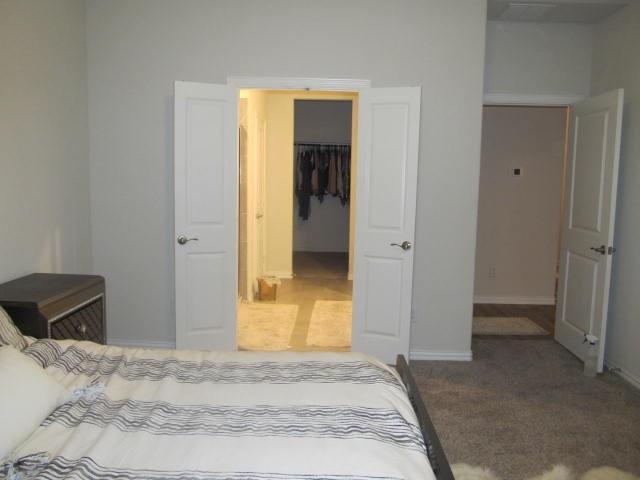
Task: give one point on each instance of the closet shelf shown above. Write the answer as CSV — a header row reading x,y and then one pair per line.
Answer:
x,y
326,144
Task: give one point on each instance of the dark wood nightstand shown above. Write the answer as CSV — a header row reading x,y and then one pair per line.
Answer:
x,y
59,306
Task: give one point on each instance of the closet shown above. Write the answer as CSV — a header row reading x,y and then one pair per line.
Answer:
x,y
322,175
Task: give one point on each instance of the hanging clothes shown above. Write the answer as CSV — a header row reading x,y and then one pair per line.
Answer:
x,y
304,188
332,186
339,189
346,176
322,167
321,170
314,175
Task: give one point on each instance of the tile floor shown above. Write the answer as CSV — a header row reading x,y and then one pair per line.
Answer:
x,y
317,276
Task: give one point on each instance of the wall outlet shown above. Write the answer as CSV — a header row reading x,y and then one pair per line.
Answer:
x,y
492,272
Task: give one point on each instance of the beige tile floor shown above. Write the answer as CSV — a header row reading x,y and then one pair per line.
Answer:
x,y
317,276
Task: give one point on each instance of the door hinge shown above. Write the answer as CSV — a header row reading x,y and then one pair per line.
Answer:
x,y
611,250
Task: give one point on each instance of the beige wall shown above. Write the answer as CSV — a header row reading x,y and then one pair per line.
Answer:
x,y
538,58
137,49
616,64
519,217
44,152
279,193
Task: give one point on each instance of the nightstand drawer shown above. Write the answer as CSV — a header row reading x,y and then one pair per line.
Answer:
x,y
84,323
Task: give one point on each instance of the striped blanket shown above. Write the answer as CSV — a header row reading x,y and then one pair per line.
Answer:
x,y
165,414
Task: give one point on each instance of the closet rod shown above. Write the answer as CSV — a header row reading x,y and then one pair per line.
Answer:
x,y
312,144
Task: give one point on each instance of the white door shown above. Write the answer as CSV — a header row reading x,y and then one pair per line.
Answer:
x,y
587,237
206,180
389,129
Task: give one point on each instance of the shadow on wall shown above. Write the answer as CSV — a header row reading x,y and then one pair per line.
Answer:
x,y
50,259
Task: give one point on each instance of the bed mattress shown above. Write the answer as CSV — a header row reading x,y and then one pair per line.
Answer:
x,y
162,414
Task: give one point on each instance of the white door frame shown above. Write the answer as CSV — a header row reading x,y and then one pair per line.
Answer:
x,y
530,100
295,83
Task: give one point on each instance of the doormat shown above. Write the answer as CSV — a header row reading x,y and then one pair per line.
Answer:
x,y
506,326
265,326
330,324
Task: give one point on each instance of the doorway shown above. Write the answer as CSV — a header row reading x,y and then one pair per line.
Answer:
x,y
297,155
520,213
206,169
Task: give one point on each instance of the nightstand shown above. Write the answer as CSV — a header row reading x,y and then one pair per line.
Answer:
x,y
58,306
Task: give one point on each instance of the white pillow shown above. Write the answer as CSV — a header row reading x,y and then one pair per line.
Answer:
x,y
27,396
9,333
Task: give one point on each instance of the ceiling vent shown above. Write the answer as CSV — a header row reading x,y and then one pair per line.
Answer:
x,y
526,12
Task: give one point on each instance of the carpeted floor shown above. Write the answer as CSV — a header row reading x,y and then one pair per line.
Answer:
x,y
523,405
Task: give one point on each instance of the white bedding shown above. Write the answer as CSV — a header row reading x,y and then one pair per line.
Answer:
x,y
209,415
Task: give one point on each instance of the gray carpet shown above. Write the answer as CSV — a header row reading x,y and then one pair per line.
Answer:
x,y
523,405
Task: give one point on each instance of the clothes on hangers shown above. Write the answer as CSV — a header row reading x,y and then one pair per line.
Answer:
x,y
321,170
332,187
304,188
346,176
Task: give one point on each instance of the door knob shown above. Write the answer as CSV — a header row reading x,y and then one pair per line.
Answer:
x,y
406,245
182,239
602,249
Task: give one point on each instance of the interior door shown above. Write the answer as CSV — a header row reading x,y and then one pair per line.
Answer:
x,y
389,129
206,181
587,239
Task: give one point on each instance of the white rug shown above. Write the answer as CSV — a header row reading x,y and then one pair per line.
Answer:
x,y
330,324
265,326
462,471
506,326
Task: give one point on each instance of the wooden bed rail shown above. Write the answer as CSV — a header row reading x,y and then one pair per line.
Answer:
x,y
437,457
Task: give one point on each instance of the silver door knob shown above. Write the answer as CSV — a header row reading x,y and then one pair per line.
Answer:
x,y
182,239
602,249
406,245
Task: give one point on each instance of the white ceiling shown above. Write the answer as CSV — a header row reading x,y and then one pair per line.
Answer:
x,y
559,11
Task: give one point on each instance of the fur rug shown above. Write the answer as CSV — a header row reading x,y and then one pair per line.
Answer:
x,y
462,471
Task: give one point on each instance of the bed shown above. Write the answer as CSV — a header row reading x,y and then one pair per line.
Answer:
x,y
165,414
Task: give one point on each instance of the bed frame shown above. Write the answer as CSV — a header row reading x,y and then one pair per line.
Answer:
x,y
435,453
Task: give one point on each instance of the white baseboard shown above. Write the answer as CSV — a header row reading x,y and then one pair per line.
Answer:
x,y
516,300
458,356
625,374
118,342
278,274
